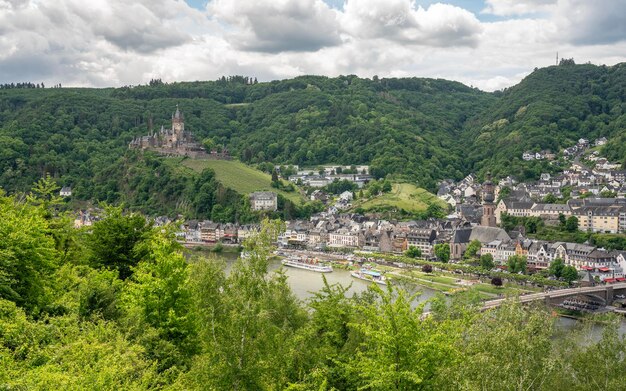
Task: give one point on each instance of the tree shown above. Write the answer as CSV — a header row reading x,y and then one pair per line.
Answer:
x,y
274,176
532,224
159,299
393,335
442,252
373,188
608,194
486,261
550,199
569,274
517,264
413,252
496,281
209,145
114,241
252,322
386,188
472,249
435,210
556,268
571,225
75,355
528,335
44,193
27,253
504,193
562,220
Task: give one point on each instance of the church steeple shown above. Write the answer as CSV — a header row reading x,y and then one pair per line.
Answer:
x,y
488,195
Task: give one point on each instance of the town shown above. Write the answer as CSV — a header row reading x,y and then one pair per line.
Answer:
x,y
478,213
313,195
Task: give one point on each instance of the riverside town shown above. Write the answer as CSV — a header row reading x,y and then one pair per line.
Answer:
x,y
313,195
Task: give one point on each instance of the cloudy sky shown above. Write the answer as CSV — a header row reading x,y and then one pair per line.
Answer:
x,y
488,44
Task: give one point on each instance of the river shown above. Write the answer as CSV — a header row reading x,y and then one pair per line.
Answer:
x,y
304,283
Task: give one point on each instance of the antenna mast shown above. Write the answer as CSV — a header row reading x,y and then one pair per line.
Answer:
x,y
557,58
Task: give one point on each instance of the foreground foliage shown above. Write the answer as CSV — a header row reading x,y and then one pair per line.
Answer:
x,y
152,319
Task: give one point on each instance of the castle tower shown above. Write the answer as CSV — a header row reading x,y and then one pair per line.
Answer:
x,y
488,194
178,124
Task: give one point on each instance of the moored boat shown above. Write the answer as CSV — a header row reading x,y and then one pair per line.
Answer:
x,y
311,264
370,275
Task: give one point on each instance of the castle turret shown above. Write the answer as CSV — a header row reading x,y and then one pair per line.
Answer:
x,y
178,125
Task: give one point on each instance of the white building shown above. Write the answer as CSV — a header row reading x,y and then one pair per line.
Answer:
x,y
66,191
343,238
346,196
264,200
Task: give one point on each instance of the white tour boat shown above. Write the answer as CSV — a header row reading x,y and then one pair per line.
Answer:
x,y
370,275
311,264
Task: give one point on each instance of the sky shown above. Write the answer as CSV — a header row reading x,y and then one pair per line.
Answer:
x,y
490,44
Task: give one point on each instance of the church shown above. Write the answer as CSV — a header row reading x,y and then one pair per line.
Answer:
x,y
489,207
175,141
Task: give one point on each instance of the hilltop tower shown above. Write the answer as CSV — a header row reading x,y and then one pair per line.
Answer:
x,y
178,123
488,194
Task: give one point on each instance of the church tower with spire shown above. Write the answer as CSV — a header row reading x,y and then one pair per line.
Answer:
x,y
489,207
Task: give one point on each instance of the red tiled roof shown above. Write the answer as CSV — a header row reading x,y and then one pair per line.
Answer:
x,y
609,280
604,269
620,279
586,267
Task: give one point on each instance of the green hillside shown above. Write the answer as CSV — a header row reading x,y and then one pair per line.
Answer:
x,y
550,109
238,176
412,130
403,196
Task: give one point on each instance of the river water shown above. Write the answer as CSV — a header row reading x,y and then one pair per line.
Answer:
x,y
304,283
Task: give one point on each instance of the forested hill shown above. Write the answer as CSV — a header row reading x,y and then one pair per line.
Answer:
x,y
551,109
418,129
406,127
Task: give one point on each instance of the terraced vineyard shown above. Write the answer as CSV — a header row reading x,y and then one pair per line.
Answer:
x,y
238,176
402,196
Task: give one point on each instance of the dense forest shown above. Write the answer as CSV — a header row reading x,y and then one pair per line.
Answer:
x,y
416,130
549,110
119,307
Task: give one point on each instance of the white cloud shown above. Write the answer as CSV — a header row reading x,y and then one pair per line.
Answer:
x,y
447,25
518,7
399,20
585,22
278,25
120,42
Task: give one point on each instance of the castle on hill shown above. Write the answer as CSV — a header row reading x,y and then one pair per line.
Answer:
x,y
175,141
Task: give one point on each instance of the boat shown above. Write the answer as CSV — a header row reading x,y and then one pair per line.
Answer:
x,y
311,264
370,275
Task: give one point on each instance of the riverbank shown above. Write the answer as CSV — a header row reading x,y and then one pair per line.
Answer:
x,y
439,280
212,247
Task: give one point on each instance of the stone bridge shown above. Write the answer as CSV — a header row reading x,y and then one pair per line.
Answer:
x,y
604,294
